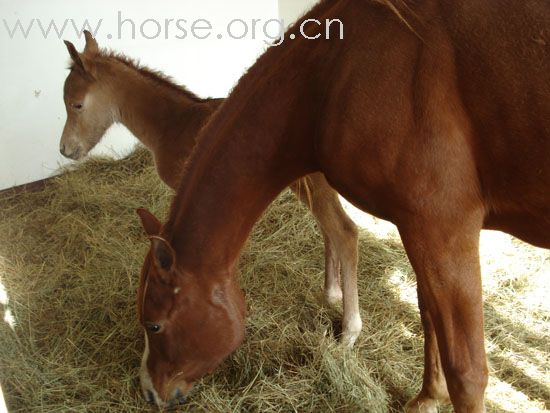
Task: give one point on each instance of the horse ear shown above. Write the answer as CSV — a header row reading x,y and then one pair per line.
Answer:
x,y
163,254
150,223
91,43
74,54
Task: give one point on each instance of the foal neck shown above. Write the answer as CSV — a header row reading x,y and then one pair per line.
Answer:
x,y
154,108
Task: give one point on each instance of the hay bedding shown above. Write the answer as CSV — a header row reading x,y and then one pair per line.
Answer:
x,y
69,262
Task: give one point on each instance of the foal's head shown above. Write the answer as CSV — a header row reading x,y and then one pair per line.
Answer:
x,y
192,322
89,111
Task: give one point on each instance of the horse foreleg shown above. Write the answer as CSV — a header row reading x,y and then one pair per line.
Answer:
x,y
341,238
434,386
445,256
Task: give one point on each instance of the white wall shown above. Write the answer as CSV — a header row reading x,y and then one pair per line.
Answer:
x,y
291,10
33,70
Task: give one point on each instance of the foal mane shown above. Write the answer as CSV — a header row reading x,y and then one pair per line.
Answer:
x,y
154,76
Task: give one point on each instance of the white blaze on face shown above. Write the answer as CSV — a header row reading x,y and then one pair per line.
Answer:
x,y
145,379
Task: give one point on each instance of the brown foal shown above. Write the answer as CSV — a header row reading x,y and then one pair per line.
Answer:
x,y
104,88
432,114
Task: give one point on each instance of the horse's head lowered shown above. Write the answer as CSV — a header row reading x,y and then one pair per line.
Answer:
x,y
89,111
192,322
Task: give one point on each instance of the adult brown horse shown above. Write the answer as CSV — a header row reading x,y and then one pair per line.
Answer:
x,y
103,88
433,114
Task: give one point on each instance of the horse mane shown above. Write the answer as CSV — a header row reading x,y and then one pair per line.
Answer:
x,y
402,10
155,76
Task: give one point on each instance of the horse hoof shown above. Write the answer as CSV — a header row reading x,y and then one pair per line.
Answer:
x,y
351,332
348,340
422,405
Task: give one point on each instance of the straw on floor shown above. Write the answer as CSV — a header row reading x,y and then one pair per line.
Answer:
x,y
70,257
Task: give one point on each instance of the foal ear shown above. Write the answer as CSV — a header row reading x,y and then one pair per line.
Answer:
x,y
74,54
91,43
163,254
150,223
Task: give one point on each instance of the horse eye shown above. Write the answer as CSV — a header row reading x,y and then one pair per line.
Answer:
x,y
153,328
77,106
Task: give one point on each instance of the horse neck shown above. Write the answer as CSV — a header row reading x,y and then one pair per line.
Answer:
x,y
156,114
256,145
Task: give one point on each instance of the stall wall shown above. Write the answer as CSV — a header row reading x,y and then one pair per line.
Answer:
x,y
291,10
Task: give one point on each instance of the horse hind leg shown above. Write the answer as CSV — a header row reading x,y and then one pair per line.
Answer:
x,y
341,239
332,288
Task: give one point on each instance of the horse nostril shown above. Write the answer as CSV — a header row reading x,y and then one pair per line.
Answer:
x,y
62,150
150,397
180,397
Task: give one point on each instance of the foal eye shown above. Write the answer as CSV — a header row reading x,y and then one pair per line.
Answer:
x,y
153,328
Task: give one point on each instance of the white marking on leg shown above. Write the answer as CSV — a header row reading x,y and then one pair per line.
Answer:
x,y
333,295
351,330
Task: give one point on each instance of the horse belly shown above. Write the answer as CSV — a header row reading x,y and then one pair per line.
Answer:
x,y
531,228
